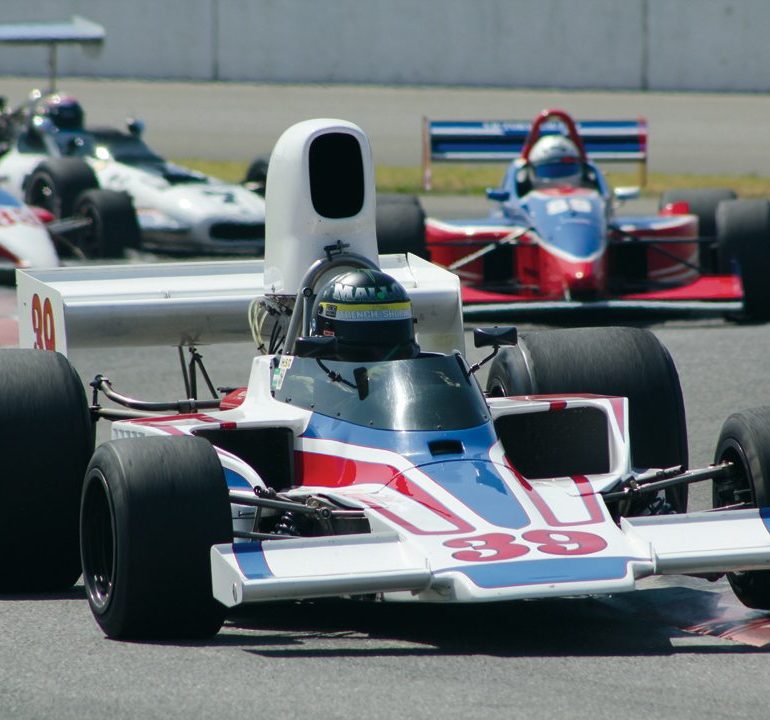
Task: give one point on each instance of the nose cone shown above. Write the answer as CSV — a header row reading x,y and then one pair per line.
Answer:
x,y
582,277
579,247
579,239
573,279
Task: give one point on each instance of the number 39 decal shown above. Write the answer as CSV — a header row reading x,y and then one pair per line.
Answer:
x,y
500,546
42,324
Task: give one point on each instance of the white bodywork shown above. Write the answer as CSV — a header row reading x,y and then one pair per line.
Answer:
x,y
194,213
24,239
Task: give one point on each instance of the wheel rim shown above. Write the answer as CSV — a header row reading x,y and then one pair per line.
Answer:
x,y
98,542
42,195
737,487
496,388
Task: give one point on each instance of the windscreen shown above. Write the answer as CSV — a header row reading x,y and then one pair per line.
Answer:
x,y
425,393
125,148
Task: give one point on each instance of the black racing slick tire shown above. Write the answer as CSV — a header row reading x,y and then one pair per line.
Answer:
x,y
57,183
743,237
151,509
745,442
703,202
400,225
113,225
256,176
46,441
622,361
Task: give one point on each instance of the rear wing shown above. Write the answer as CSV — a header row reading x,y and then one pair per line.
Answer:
x,y
196,303
503,141
78,31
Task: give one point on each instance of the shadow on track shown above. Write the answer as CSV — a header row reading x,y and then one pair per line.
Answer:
x,y
642,623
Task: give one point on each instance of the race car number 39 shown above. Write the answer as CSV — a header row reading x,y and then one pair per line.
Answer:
x,y
500,546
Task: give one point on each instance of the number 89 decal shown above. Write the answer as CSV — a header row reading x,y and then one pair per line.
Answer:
x,y
500,546
42,324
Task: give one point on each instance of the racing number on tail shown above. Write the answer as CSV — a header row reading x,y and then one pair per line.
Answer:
x,y
501,546
42,324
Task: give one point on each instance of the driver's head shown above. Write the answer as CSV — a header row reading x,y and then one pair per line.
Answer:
x,y
554,161
369,313
64,111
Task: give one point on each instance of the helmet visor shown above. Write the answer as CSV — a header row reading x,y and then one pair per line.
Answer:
x,y
557,169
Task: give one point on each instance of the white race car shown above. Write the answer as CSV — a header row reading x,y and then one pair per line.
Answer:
x,y
51,159
362,459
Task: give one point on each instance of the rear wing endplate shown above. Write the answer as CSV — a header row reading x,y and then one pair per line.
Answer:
x,y
503,141
196,303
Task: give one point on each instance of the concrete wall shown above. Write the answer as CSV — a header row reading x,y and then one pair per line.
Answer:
x,y
612,44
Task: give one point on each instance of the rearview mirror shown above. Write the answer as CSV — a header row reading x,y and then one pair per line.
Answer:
x,y
489,337
627,193
498,194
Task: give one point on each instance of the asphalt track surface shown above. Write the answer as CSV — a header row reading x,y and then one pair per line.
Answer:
x,y
681,648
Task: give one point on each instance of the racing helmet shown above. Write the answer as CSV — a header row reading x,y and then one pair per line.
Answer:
x,y
64,111
555,160
369,313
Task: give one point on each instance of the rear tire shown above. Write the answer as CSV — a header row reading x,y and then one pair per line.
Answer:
x,y
57,183
113,228
256,176
400,225
151,510
46,440
743,236
703,202
622,361
745,441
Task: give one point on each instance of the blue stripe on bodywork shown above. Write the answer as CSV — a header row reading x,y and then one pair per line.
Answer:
x,y
469,476
251,560
235,480
410,444
479,487
764,514
539,572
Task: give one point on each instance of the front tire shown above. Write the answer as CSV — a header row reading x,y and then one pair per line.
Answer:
x,y
622,361
745,441
151,509
46,440
113,227
57,183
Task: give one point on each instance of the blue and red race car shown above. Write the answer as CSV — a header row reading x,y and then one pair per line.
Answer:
x,y
555,243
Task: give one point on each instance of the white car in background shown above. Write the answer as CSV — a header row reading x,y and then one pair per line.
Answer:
x,y
52,158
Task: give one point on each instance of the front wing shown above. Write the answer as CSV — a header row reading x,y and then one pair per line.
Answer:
x,y
392,564
706,295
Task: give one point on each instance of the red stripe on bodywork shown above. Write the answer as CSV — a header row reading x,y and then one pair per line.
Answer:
x,y
333,471
585,492
168,424
618,410
317,469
